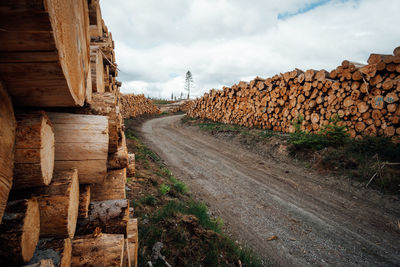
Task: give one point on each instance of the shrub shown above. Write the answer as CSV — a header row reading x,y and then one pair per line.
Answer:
x,y
164,189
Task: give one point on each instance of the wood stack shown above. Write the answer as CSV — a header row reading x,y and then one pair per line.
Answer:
x,y
365,97
135,105
184,107
62,174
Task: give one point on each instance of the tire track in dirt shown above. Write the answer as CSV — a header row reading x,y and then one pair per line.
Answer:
x,y
317,221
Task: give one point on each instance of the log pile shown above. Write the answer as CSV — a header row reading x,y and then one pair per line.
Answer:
x,y
135,105
63,154
364,97
184,107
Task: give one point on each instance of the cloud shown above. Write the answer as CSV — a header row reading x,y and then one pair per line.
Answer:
x,y
225,41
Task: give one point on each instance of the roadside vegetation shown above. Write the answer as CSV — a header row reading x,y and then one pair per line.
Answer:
x,y
372,161
168,214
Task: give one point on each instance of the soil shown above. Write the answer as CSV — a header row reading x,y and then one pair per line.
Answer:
x,y
290,215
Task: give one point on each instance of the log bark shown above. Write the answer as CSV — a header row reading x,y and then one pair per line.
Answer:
x,y
127,256
130,171
34,150
19,231
56,29
57,250
133,240
7,141
111,216
58,203
81,141
96,251
42,263
112,188
97,69
119,159
84,200
106,105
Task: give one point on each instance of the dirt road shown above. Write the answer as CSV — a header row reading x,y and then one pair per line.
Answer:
x,y
318,220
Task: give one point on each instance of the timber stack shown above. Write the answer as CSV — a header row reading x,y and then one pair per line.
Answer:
x,y
365,97
63,154
184,107
135,105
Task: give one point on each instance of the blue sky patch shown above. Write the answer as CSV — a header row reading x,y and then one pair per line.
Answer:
x,y
305,9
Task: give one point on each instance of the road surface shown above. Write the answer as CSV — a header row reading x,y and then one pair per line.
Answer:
x,y
318,220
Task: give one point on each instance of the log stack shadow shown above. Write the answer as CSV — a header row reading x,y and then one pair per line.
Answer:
x,y
63,154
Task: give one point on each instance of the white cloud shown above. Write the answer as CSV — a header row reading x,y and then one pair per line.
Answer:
x,y
224,41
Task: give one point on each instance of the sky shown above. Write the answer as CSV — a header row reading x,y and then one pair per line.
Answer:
x,y
223,42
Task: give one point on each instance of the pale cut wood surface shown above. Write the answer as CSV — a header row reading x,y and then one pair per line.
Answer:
x,y
34,150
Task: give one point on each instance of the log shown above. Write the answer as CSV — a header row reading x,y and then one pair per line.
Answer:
x,y
19,231
97,69
81,141
133,239
130,171
34,150
84,200
111,216
113,186
7,140
127,256
396,51
119,159
96,251
42,263
55,72
57,250
106,105
96,28
58,203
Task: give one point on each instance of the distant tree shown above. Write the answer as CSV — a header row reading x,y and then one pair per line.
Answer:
x,y
188,82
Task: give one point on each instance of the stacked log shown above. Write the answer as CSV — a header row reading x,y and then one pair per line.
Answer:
x,y
184,107
364,97
135,105
63,154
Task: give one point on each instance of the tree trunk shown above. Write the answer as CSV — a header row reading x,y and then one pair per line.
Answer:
x,y
7,140
105,249
133,240
19,231
57,250
81,141
119,159
34,150
111,216
84,200
58,203
112,188
130,171
54,36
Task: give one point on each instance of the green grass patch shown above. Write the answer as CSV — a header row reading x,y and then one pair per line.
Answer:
x,y
164,189
148,200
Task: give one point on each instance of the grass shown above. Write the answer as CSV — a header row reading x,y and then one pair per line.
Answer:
x,y
164,189
162,102
168,214
358,159
331,149
215,127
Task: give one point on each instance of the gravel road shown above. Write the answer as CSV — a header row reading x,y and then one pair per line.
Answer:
x,y
318,220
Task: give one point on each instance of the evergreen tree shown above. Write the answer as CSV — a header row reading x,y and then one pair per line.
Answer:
x,y
188,82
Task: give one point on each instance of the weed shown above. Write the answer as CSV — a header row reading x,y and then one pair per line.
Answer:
x,y
148,200
164,189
